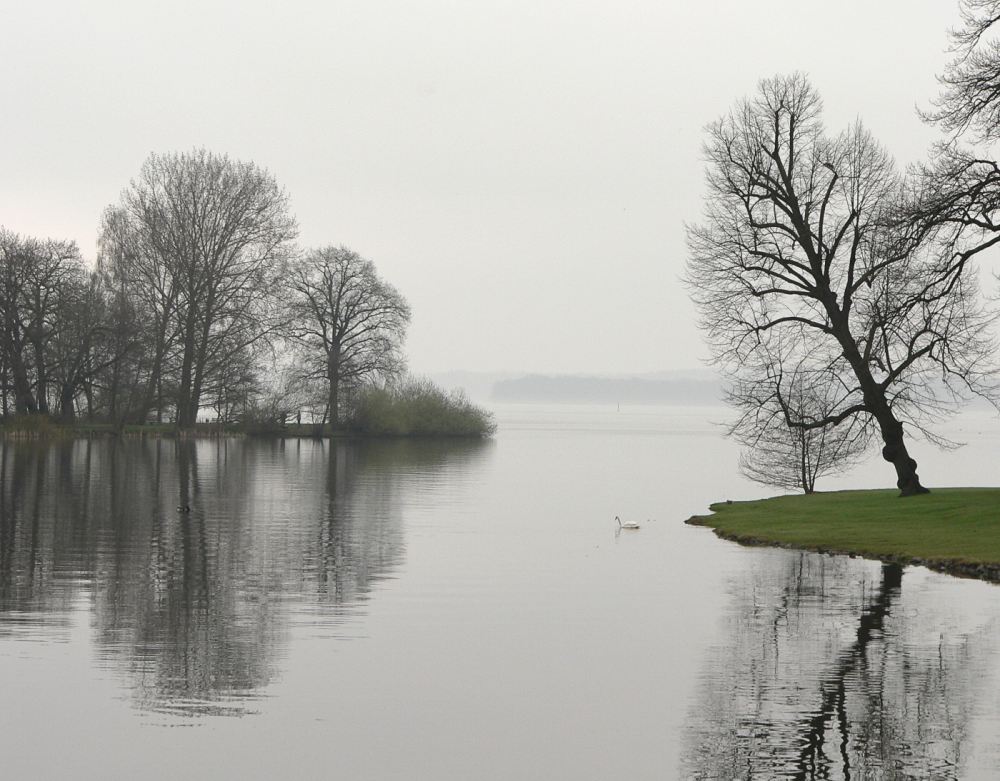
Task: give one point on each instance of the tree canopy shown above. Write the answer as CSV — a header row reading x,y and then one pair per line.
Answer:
x,y
348,322
195,245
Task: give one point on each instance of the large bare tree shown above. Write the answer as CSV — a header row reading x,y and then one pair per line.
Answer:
x,y
198,237
146,288
348,321
798,254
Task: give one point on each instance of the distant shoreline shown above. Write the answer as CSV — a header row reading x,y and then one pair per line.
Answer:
x,y
678,388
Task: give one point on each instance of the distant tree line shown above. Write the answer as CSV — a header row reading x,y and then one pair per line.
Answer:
x,y
836,291
200,304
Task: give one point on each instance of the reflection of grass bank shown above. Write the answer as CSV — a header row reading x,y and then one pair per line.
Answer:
x,y
954,530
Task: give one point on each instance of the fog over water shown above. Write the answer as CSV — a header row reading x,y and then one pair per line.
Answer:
x,y
522,172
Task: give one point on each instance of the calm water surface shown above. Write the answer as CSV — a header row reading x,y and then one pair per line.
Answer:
x,y
406,610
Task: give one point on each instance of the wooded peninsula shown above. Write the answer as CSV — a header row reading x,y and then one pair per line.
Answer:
x,y
202,315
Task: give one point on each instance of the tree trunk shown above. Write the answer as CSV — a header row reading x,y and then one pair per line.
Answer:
x,y
150,395
24,400
896,454
153,393
67,413
42,386
112,393
333,375
807,485
159,400
4,384
184,395
891,429
198,377
200,359
332,401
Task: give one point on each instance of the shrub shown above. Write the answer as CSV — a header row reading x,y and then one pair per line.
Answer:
x,y
417,407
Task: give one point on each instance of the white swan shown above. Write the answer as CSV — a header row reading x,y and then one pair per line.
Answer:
x,y
627,524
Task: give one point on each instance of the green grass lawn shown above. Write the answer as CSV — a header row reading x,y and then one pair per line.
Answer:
x,y
948,527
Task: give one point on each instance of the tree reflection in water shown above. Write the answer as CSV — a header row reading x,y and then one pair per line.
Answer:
x,y
195,606
831,671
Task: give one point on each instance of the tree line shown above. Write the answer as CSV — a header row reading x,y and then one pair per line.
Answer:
x,y
200,299
837,292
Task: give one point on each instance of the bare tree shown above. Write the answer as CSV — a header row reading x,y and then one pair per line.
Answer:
x,y
797,256
784,456
78,348
119,380
198,238
147,290
956,197
49,272
349,322
15,258
970,99
39,280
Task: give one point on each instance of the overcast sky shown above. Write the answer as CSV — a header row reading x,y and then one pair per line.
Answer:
x,y
520,170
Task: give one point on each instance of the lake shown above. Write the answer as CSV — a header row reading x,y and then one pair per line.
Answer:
x,y
434,610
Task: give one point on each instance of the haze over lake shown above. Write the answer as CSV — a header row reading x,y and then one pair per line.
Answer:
x,y
402,609
286,222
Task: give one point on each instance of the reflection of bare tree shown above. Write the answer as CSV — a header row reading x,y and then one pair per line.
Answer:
x,y
830,673
353,543
36,539
194,605
199,630
360,512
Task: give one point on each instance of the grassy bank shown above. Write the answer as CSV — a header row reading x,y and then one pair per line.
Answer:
x,y
83,430
41,427
954,530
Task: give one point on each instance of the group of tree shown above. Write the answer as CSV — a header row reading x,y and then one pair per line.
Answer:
x,y
198,294
837,291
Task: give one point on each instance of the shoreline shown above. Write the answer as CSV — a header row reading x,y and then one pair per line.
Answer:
x,y
56,432
956,528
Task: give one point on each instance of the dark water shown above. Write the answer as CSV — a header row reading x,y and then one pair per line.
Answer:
x,y
435,610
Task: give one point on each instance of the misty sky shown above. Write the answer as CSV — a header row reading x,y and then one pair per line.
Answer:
x,y
521,171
